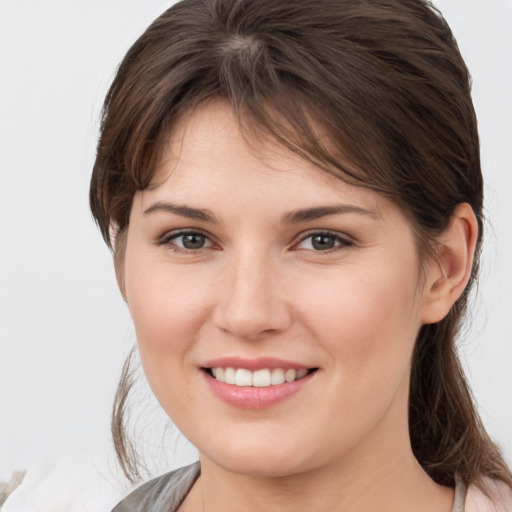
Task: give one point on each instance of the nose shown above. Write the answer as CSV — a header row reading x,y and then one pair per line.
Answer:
x,y
252,301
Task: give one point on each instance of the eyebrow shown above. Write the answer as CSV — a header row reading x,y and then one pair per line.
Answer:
x,y
293,217
183,211
318,212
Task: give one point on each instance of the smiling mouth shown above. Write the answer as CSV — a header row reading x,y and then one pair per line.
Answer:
x,y
263,378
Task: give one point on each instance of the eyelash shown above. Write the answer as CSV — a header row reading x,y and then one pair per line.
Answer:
x,y
168,240
342,242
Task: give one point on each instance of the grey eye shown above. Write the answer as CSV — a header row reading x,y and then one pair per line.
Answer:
x,y
191,240
184,241
322,242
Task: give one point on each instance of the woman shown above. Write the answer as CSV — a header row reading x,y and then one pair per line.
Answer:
x,y
293,195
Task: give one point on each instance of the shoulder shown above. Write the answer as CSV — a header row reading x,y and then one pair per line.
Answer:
x,y
497,499
162,494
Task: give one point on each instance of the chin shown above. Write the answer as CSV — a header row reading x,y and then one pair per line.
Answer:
x,y
266,467
261,461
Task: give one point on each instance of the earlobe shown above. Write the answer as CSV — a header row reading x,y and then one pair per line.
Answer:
x,y
448,276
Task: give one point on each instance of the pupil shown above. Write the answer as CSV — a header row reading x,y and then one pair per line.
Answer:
x,y
322,243
193,241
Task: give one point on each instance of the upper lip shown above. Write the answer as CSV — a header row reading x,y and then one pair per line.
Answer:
x,y
259,363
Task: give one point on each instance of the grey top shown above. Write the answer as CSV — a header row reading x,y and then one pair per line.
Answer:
x,y
167,492
162,494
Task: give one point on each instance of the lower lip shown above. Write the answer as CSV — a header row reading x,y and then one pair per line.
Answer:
x,y
249,397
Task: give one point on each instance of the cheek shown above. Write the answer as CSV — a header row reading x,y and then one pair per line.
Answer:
x,y
168,309
365,317
366,324
165,318
166,306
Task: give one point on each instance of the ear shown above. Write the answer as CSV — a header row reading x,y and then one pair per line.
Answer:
x,y
449,273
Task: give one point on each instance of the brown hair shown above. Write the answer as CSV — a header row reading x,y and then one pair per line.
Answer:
x,y
372,91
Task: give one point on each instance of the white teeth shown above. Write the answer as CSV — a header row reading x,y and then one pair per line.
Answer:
x,y
229,376
243,377
301,373
259,378
290,375
277,376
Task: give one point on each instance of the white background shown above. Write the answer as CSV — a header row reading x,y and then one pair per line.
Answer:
x,y
64,329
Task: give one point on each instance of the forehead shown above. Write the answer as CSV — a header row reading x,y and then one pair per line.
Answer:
x,y
211,136
207,156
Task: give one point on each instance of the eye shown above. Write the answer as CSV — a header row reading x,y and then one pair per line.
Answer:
x,y
186,241
323,241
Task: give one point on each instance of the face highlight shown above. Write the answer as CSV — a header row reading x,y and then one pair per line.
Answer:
x,y
275,306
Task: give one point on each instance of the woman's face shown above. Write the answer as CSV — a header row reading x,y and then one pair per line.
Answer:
x,y
259,267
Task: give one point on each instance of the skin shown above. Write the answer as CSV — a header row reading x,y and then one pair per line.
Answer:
x,y
259,287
